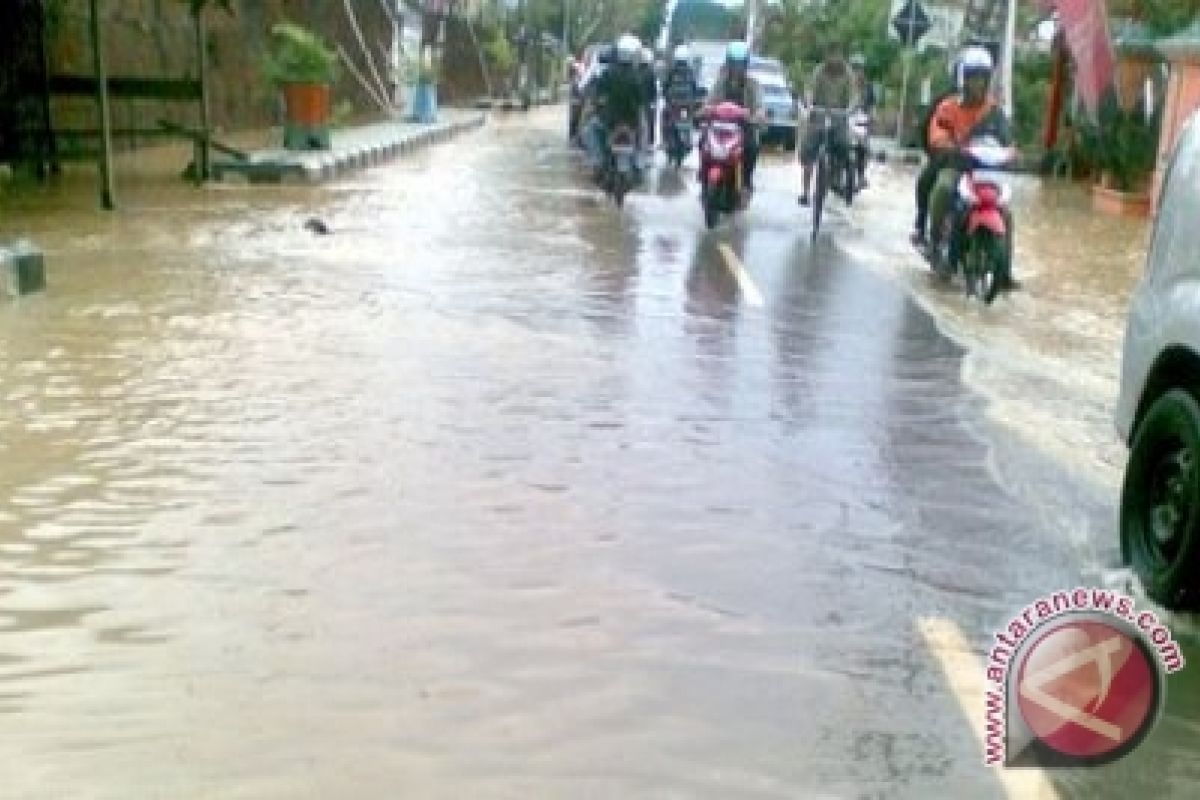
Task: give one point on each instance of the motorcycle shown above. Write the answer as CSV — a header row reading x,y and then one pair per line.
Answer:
x,y
722,144
977,239
622,169
680,134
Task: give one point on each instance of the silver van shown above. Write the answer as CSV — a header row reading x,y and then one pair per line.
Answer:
x,y
1158,411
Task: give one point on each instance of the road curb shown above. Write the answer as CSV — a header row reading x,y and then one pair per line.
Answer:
x,y
310,168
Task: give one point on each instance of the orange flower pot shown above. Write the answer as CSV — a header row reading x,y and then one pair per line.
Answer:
x,y
308,104
1121,204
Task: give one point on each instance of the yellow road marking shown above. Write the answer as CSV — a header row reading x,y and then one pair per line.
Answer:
x,y
744,281
965,675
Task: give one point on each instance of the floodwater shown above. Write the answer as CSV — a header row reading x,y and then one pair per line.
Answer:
x,y
1059,339
499,492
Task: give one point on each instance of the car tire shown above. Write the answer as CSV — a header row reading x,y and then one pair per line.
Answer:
x,y
789,141
1160,502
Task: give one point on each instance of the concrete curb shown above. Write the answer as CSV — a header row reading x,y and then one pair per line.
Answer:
x,y
310,169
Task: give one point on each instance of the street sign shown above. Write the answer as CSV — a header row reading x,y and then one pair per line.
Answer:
x,y
911,23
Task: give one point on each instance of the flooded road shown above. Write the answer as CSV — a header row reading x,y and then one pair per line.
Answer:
x,y
498,492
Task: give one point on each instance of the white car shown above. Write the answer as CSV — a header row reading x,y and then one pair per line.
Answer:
x,y
781,108
1158,412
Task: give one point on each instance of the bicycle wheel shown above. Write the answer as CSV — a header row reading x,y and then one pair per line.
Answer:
x,y
821,190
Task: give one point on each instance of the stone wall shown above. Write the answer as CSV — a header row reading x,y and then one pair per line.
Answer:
x,y
155,38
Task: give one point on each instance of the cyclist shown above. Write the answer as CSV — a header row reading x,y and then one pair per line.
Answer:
x,y
832,88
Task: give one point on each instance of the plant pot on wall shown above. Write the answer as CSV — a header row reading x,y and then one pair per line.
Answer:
x,y
1122,146
303,68
307,104
425,103
424,107
1119,203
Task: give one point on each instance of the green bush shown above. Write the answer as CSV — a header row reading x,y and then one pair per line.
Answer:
x,y
1164,17
1031,88
1121,143
298,55
500,52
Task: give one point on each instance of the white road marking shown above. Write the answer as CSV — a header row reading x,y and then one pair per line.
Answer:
x,y
744,281
965,673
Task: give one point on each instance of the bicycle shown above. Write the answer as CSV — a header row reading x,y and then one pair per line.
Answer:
x,y
834,167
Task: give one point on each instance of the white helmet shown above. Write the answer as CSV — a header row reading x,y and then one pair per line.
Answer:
x,y
647,55
975,60
683,54
628,49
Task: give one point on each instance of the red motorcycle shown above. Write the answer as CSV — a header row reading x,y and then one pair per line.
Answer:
x,y
976,238
722,144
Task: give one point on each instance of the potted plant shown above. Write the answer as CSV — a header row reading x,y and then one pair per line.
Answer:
x,y
1123,147
304,68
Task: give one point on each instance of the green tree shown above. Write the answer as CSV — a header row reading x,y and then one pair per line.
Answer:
x,y
604,20
703,20
797,33
1164,17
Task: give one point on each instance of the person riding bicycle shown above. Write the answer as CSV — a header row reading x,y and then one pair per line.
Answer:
x,y
680,87
866,102
617,97
832,88
735,84
955,121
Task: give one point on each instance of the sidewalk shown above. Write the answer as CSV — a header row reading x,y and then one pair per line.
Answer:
x,y
543,97
352,149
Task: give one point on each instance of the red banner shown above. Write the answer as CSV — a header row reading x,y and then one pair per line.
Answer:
x,y
1085,26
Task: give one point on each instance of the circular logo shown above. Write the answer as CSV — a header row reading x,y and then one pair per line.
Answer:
x,y
1089,689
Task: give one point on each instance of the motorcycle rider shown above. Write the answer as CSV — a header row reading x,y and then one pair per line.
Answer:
x,y
929,173
955,121
866,101
617,98
649,93
832,87
735,84
680,88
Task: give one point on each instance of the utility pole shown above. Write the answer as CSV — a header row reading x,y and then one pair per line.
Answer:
x,y
566,27
100,66
523,52
1010,46
907,56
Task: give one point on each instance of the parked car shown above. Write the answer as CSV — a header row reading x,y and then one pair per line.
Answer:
x,y
1158,410
772,67
781,104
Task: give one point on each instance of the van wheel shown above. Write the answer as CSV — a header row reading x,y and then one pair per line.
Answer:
x,y
1160,502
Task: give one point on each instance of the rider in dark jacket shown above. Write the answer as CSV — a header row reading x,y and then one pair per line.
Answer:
x,y
618,98
680,88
